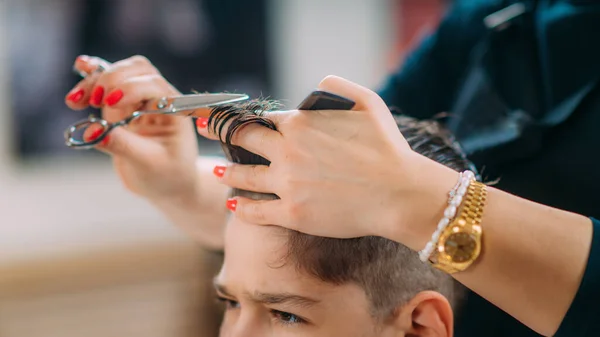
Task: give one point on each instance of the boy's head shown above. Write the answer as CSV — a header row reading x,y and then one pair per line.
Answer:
x,y
278,282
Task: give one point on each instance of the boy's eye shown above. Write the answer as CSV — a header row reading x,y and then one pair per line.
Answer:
x,y
229,304
287,318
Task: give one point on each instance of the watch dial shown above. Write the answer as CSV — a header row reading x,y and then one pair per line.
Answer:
x,y
460,246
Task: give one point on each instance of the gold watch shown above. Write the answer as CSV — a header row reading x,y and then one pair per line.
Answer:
x,y
459,245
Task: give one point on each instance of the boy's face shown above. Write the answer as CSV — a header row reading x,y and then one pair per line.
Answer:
x,y
264,296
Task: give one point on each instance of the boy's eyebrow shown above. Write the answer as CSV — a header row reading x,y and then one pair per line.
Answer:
x,y
272,298
285,298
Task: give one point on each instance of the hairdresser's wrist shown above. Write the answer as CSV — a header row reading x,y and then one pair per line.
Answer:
x,y
425,185
183,200
199,211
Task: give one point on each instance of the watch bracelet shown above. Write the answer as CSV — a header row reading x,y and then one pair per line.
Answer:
x,y
469,214
471,209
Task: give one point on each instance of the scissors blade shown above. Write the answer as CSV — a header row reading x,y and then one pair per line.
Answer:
x,y
192,102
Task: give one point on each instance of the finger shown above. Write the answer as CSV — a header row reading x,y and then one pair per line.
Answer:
x,y
259,212
94,132
255,138
366,101
78,98
132,93
118,73
259,136
89,67
140,89
246,177
125,143
128,144
154,124
365,98
85,64
145,93
158,125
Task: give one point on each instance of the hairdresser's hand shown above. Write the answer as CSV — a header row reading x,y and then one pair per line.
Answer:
x,y
339,173
156,156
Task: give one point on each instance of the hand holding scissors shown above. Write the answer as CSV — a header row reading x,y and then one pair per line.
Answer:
x,y
184,105
157,155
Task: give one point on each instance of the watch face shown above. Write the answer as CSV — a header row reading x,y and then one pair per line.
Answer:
x,y
460,246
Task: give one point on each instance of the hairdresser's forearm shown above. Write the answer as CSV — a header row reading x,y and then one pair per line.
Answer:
x,y
533,261
533,256
201,215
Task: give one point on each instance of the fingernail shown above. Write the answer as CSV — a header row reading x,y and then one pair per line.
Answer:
x,y
201,122
114,97
95,135
75,95
83,58
97,94
231,204
105,140
219,171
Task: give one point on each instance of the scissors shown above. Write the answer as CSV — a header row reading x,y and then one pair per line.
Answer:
x,y
183,105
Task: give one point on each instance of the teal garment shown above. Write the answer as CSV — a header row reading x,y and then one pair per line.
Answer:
x,y
523,101
581,317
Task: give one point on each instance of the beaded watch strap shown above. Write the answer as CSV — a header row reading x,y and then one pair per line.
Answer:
x,y
455,198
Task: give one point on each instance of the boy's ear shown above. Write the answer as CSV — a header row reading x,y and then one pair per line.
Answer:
x,y
428,314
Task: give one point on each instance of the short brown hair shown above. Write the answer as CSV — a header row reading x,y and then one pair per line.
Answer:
x,y
390,273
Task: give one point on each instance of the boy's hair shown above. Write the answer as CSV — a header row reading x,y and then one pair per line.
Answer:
x,y
390,273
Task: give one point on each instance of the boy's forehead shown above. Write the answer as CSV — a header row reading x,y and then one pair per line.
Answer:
x,y
268,239
255,258
258,248
255,267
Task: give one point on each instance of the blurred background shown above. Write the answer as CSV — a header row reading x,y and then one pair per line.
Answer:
x,y
78,254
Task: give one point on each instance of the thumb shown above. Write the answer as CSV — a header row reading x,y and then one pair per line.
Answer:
x,y
365,98
124,143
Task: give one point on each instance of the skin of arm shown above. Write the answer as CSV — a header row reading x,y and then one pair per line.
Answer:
x,y
202,214
533,256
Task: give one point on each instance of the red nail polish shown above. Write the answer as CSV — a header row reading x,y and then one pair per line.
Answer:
x,y
95,134
114,97
97,94
201,122
75,95
231,204
219,171
105,141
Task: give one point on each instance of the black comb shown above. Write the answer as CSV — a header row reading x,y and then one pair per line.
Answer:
x,y
322,100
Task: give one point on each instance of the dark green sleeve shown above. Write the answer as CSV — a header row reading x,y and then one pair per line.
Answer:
x,y
430,76
582,318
